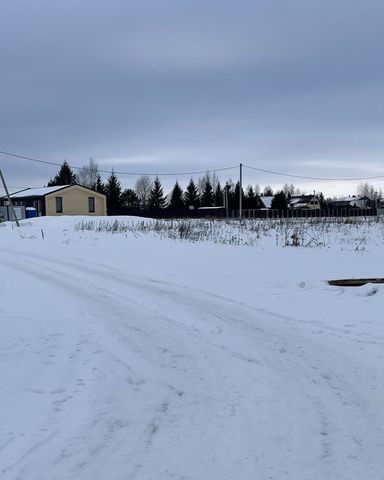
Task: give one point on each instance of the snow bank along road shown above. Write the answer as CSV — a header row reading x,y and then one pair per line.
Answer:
x,y
140,359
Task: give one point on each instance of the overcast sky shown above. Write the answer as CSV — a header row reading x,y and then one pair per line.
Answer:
x,y
293,86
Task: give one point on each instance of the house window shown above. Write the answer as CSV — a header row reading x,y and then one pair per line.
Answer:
x,y
91,204
59,204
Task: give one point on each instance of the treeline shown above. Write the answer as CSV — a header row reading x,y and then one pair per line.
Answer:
x,y
207,191
149,193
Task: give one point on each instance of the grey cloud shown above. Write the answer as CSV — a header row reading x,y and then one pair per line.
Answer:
x,y
193,83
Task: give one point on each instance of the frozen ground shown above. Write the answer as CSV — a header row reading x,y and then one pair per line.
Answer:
x,y
133,356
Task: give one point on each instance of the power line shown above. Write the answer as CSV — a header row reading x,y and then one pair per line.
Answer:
x,y
313,178
175,174
9,186
29,158
199,172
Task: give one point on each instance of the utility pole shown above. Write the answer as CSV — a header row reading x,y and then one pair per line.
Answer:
x,y
9,199
241,193
226,200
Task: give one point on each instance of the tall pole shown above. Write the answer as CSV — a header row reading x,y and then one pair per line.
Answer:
x,y
226,201
9,199
241,192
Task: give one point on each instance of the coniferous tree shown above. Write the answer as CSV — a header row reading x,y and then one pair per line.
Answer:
x,y
230,194
113,191
236,196
218,196
207,197
268,192
251,199
330,203
176,198
129,199
65,176
322,201
211,178
191,196
100,187
279,201
156,197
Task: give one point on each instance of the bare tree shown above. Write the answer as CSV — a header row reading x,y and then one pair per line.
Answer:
x,y
290,190
87,176
143,187
366,190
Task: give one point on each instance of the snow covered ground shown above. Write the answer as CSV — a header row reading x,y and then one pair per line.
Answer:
x,y
134,356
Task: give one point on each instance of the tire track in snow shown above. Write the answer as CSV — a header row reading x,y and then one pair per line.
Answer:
x,y
285,354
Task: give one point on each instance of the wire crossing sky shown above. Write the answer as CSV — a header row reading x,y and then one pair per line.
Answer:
x,y
201,172
293,89
134,174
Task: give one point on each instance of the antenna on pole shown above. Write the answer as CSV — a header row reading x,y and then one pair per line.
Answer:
x,y
9,199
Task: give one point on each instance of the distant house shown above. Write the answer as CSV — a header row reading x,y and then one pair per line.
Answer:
x,y
306,202
352,202
60,200
297,202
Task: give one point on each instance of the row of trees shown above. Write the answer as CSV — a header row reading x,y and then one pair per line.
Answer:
x,y
206,192
148,193
88,176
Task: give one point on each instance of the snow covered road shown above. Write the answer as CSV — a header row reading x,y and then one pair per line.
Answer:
x,y
113,369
